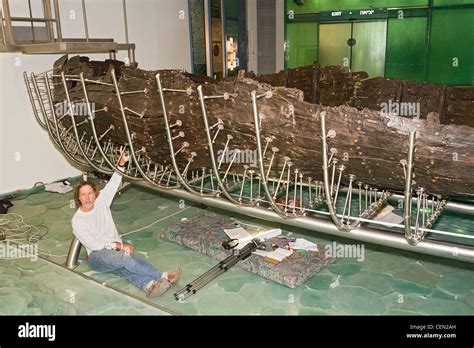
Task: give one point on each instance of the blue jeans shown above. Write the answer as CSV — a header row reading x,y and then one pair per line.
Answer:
x,y
137,271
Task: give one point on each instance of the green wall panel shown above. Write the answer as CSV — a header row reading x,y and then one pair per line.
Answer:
x,y
452,2
407,3
330,5
368,54
452,40
333,48
301,44
309,6
406,42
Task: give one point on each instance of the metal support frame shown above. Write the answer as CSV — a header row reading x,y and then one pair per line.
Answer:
x,y
7,28
372,207
263,176
69,142
55,42
59,31
416,234
127,132
73,121
408,183
169,137
73,254
362,233
329,200
47,118
29,88
224,190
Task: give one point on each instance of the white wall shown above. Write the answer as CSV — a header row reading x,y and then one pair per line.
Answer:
x,y
252,35
280,35
160,30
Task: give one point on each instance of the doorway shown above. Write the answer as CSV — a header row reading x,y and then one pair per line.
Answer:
x,y
219,37
356,46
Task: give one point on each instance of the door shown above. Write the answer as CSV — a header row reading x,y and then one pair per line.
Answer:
x,y
356,46
333,47
368,52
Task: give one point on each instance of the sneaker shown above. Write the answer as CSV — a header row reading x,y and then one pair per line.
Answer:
x,y
175,278
158,288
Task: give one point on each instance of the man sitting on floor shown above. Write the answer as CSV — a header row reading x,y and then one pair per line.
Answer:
x,y
94,227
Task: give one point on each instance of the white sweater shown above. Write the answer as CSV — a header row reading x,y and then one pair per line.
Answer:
x,y
96,229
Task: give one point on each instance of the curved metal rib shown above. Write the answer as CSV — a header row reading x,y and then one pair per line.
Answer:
x,y
170,143
62,148
329,202
101,150
129,137
47,123
211,152
408,187
73,120
30,94
263,176
418,233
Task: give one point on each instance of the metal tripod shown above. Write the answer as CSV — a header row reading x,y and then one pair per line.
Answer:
x,y
218,269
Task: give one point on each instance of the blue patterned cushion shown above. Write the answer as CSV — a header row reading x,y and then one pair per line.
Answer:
x,y
206,234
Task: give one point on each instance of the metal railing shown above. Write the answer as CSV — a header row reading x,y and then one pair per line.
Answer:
x,y
52,26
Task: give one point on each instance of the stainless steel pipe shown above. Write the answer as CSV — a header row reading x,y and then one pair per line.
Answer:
x,y
362,233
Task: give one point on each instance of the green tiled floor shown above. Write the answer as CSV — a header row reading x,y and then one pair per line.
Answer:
x,y
41,287
387,281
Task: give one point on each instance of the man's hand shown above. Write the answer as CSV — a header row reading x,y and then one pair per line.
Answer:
x,y
123,157
128,248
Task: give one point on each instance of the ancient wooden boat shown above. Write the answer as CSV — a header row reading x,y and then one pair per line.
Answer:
x,y
255,144
370,144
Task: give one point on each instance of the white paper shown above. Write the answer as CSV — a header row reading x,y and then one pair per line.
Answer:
x,y
387,215
241,235
261,253
269,234
303,244
284,252
279,254
58,187
237,233
245,238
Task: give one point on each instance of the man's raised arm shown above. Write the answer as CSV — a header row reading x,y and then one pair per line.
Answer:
x,y
109,191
